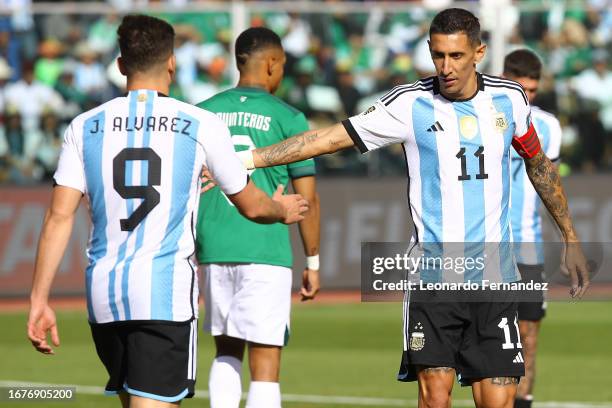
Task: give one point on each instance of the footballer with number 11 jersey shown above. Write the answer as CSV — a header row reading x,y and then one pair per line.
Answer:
x,y
456,129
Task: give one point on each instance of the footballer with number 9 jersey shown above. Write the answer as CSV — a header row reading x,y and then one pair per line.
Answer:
x,y
137,160
457,129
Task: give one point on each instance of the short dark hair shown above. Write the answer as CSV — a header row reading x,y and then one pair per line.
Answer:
x,y
144,42
252,40
523,63
456,20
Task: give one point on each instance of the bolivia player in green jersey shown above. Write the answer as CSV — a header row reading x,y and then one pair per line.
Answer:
x,y
247,275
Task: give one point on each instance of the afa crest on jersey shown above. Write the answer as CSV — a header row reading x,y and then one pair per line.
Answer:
x,y
500,122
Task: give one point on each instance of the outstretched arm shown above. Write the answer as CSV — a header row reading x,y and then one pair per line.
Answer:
x,y
546,180
304,146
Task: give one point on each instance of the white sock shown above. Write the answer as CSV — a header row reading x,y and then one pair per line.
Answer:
x,y
264,395
224,383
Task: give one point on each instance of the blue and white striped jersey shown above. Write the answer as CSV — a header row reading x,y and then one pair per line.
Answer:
x,y
525,212
458,160
138,159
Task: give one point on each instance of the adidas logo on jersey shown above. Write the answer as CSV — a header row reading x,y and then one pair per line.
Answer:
x,y
519,358
436,127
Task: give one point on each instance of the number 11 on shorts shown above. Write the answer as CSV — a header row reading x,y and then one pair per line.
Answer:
x,y
508,344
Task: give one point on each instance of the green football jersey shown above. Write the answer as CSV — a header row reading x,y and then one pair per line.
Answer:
x,y
255,119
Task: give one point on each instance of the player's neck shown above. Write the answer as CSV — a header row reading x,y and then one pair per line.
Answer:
x,y
247,82
468,91
154,84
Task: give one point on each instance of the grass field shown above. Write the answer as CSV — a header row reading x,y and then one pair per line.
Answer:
x,y
348,350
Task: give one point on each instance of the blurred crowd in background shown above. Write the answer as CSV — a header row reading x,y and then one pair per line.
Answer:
x,y
52,67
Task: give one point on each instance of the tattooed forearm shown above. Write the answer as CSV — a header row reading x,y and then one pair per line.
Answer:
x,y
303,146
546,180
287,151
504,381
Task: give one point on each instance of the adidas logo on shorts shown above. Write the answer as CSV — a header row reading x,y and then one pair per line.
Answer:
x,y
518,359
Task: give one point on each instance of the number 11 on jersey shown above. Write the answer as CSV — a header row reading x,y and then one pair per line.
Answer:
x,y
481,164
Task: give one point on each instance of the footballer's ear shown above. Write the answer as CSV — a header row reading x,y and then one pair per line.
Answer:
x,y
276,64
270,63
480,53
121,66
172,65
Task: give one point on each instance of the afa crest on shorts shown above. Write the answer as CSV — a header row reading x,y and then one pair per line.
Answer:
x,y
417,338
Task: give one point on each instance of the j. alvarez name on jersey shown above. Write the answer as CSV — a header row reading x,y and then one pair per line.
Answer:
x,y
173,124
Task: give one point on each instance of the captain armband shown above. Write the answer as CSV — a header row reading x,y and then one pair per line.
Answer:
x,y
528,145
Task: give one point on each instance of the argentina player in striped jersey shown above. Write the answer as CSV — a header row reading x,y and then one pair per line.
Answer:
x,y
457,129
140,175
525,67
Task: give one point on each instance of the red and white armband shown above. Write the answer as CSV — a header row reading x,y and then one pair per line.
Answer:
x,y
527,145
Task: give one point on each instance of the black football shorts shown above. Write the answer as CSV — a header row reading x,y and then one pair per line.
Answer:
x,y
150,359
477,339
